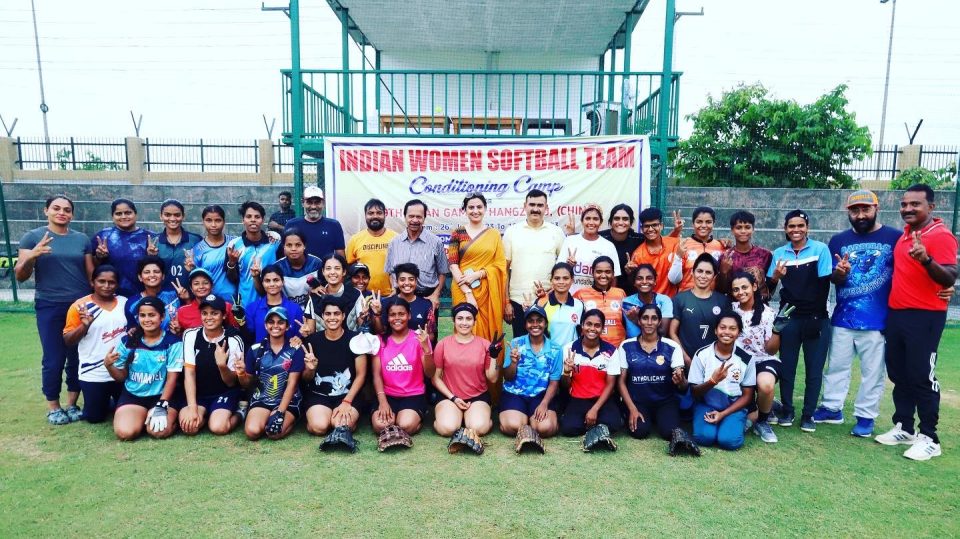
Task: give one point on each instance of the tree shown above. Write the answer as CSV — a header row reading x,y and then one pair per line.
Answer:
x,y
746,138
941,178
93,162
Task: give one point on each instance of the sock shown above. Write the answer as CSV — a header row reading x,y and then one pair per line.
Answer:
x,y
762,416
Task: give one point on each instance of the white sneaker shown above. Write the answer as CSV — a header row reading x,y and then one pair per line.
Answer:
x,y
923,449
896,436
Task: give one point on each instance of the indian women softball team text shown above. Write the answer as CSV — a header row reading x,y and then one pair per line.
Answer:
x,y
624,328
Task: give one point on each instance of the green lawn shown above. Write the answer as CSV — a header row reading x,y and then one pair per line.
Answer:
x,y
77,480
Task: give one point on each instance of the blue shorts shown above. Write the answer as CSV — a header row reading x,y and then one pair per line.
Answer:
x,y
228,400
147,402
524,405
417,403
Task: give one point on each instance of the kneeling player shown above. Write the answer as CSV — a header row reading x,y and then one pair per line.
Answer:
x,y
531,375
333,375
590,367
272,369
398,369
210,354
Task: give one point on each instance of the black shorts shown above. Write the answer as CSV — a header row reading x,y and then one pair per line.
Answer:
x,y
417,403
771,366
523,404
310,400
293,408
483,397
147,402
228,400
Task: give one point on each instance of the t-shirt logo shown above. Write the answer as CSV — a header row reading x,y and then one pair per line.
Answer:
x,y
661,360
399,364
615,305
575,318
716,309
735,374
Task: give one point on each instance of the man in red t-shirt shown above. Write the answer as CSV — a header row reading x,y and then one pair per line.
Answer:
x,y
924,262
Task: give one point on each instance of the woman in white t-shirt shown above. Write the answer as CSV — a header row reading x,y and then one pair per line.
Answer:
x,y
94,325
582,249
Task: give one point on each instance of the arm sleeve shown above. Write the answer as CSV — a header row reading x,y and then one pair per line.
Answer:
x,y
250,360
73,318
175,357
943,250
616,360
296,364
351,249
29,241
675,275
121,351
507,360
773,263
189,348
443,266
824,262
438,354
697,376
666,307
562,252
750,376
676,359
556,365
508,244
234,351
615,256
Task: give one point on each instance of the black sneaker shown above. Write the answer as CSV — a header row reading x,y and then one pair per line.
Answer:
x,y
785,419
807,424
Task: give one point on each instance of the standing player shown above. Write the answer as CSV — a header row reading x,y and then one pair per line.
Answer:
x,y
564,311
657,250
625,239
606,297
744,256
297,267
862,274
211,253
210,356
272,370
94,325
123,244
690,249
174,242
924,261
369,246
582,249
803,268
63,262
249,252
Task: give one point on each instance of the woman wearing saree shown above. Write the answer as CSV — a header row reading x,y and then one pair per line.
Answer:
x,y
479,268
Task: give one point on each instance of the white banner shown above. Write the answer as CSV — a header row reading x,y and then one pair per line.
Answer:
x,y
441,172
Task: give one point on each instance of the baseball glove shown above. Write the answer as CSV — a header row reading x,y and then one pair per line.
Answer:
x,y
393,436
528,438
339,438
598,437
682,444
465,438
274,423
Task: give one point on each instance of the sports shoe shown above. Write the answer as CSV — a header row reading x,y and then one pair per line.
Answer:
x,y
826,415
785,419
58,417
74,413
747,425
863,428
896,436
923,449
242,409
807,424
765,432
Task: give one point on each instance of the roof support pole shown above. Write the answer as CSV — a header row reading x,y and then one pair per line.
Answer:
x,y
609,129
626,115
600,68
296,108
345,38
663,114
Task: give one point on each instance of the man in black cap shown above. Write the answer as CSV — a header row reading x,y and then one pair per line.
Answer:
x,y
803,268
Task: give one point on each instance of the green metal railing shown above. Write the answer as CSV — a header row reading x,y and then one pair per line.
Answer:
x,y
445,103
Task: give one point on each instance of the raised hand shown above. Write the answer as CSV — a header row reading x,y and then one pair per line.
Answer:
x,y
843,264
527,300
102,250
677,220
423,337
111,357
780,270
570,227
182,292
302,323
917,250
515,354
220,352
239,366
726,261
153,247
43,246
85,317
188,262
239,313
720,374
496,345
233,255
309,359
376,306
682,250
571,256
569,362
539,290
255,267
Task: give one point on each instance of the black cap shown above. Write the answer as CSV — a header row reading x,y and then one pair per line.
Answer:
x,y
215,302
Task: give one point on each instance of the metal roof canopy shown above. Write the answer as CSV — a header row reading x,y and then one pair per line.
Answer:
x,y
568,27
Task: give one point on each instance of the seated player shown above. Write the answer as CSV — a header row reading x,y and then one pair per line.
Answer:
x,y
651,378
200,285
147,363
421,309
210,355
724,378
588,362
334,274
399,367
272,370
150,272
464,372
531,376
645,281
333,375
563,310
95,324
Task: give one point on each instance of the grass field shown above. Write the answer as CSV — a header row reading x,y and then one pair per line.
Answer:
x,y
77,480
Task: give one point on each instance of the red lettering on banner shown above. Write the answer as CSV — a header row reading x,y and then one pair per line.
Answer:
x,y
527,159
371,160
446,160
611,157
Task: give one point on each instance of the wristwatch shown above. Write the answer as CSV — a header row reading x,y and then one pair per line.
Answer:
x,y
927,262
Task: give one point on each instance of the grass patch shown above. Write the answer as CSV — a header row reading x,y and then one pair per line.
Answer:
x,y
78,480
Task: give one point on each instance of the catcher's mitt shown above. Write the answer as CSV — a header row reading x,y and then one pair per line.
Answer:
x,y
598,437
528,438
682,444
465,438
339,438
393,436
274,423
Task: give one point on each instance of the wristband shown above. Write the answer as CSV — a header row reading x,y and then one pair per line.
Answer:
x,y
453,398
927,262
165,404
350,402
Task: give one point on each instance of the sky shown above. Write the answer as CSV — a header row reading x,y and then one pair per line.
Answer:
x,y
210,68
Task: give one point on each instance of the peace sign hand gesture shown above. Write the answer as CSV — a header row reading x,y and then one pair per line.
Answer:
x,y
720,374
42,247
682,249
182,292
111,357
233,255
423,338
780,270
376,306
304,329
188,262
570,227
539,290
843,264
571,256
220,353
102,250
255,267
917,250
569,362
677,220
309,359
153,248
85,317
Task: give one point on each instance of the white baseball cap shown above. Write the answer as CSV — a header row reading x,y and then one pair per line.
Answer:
x,y
312,191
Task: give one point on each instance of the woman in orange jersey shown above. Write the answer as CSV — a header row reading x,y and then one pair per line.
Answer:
x,y
606,297
701,241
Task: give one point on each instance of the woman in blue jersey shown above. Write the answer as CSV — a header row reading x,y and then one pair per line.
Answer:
x,y
249,252
563,310
651,377
271,279
150,272
211,253
645,283
174,244
297,266
147,363
123,245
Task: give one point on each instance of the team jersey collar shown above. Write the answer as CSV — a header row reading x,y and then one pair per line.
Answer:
x,y
698,240
184,237
605,348
264,239
552,299
935,222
